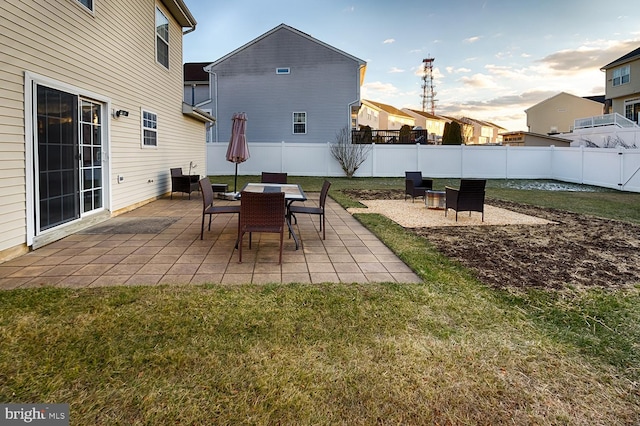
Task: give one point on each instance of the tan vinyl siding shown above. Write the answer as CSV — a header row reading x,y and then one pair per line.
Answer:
x,y
558,113
111,54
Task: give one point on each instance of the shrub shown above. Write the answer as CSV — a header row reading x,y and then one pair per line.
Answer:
x,y
349,155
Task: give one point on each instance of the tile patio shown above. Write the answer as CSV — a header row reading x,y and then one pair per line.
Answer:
x,y
175,254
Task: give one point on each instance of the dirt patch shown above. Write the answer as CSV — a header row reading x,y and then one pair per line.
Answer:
x,y
575,250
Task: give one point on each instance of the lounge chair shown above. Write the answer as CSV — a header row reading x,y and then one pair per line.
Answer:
x,y
469,197
183,183
415,185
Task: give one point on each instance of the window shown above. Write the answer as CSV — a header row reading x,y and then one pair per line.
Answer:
x,y
621,75
283,70
299,123
149,129
162,38
87,3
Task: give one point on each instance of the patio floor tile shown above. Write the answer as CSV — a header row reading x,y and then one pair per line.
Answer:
x,y
177,256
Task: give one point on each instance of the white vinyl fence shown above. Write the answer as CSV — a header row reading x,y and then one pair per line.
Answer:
x,y
611,168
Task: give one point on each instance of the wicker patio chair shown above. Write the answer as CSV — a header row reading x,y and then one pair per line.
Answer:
x,y
320,210
261,212
470,197
270,177
207,204
183,183
415,185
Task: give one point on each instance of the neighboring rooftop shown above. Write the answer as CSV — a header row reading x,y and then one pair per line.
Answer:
x,y
387,108
194,71
635,54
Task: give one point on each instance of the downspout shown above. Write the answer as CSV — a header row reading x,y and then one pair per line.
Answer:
x,y
213,88
215,100
357,101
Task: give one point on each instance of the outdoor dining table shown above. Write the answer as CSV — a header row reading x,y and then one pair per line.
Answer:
x,y
292,193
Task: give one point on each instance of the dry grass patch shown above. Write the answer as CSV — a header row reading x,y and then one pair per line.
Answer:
x,y
304,354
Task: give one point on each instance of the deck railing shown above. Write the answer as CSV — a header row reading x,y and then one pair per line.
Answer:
x,y
392,137
614,119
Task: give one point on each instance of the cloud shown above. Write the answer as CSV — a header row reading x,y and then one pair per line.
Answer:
x,y
395,70
502,55
478,81
508,72
452,70
471,39
389,41
588,57
378,90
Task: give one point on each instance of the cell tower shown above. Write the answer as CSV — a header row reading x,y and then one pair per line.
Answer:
x,y
428,95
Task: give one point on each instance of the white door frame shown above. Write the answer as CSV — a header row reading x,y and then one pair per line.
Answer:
x,y
30,120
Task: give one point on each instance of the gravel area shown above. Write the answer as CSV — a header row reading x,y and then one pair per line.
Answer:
x,y
410,214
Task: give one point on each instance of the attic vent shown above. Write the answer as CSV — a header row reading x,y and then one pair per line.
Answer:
x,y
286,70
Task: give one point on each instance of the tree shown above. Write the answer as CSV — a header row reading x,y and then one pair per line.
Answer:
x,y
454,135
445,132
350,156
405,133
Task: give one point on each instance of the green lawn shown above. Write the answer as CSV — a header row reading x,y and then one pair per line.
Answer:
x,y
446,351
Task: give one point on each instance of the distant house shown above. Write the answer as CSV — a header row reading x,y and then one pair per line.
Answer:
x,y
432,123
623,85
479,132
381,116
558,113
292,87
520,138
91,115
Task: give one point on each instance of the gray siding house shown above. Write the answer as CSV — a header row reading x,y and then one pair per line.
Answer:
x,y
292,87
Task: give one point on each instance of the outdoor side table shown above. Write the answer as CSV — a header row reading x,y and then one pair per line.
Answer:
x,y
219,187
435,199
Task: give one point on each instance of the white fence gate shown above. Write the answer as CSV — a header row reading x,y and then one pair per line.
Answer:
x,y
610,168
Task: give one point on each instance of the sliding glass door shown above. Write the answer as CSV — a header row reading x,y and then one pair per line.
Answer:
x,y
69,157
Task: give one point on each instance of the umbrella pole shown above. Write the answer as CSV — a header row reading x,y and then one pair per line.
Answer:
x,y
235,180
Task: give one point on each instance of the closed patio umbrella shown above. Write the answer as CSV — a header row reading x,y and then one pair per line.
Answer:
x,y
238,150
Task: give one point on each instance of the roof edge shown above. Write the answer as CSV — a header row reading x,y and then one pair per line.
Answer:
x,y
273,30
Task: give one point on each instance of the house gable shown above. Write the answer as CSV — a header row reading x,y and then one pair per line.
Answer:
x,y
280,75
558,113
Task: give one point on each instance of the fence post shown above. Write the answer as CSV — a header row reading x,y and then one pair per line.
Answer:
x,y
282,157
373,159
506,163
621,167
328,157
581,164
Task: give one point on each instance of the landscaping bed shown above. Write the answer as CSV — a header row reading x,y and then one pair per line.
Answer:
x,y
576,250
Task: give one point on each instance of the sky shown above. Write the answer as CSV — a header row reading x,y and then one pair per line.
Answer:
x,y
493,59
